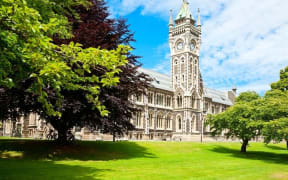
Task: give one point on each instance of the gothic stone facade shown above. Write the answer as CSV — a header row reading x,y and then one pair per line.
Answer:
x,y
175,107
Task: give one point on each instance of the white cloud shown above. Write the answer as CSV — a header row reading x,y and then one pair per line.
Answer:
x,y
244,42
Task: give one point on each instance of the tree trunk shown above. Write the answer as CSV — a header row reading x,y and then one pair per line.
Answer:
x,y
287,144
113,136
62,136
244,146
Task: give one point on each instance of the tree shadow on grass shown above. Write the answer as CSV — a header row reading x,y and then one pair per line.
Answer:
x,y
23,169
81,150
270,157
275,147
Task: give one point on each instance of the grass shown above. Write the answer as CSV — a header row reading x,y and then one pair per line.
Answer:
x,y
31,159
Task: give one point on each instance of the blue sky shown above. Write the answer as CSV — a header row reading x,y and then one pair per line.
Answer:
x,y
244,42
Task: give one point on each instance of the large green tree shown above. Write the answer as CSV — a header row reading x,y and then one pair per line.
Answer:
x,y
96,28
32,66
275,110
239,120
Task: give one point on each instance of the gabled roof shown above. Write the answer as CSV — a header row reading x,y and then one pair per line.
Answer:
x,y
162,81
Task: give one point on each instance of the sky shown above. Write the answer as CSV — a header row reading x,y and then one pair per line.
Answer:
x,y
244,42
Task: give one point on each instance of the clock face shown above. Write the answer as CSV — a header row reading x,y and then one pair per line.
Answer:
x,y
180,45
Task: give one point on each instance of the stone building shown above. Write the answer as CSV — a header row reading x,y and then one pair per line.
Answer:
x,y
174,107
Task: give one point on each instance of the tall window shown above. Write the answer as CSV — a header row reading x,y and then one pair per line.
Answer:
x,y
168,122
157,99
182,65
217,109
150,120
150,98
138,119
160,99
179,101
159,121
191,65
168,101
206,107
176,66
198,104
179,123
193,101
139,98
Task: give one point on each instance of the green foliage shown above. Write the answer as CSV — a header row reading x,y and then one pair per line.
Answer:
x,y
275,105
28,53
239,120
282,84
276,130
276,110
247,97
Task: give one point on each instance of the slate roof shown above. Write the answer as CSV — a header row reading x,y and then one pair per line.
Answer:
x,y
217,96
162,81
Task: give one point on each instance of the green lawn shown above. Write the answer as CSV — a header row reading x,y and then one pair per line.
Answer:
x,y
30,159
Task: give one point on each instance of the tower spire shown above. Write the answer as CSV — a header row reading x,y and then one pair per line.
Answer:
x,y
171,19
199,19
184,11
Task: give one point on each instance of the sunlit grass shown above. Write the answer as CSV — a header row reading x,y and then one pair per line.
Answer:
x,y
28,159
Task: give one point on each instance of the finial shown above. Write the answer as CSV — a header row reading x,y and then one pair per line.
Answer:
x,y
199,18
171,18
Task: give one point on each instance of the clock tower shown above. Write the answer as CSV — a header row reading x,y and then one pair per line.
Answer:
x,y
185,41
